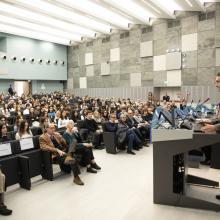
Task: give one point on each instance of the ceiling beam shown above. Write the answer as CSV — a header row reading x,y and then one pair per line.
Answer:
x,y
63,14
163,9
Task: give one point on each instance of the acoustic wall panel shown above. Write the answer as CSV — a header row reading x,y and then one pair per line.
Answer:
x,y
174,78
135,79
88,58
146,49
115,54
159,63
189,42
70,84
82,82
173,61
105,69
217,52
90,70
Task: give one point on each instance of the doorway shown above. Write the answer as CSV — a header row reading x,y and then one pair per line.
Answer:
x,y
22,87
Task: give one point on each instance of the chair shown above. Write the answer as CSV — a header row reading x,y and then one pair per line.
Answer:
x,y
15,168
36,131
109,139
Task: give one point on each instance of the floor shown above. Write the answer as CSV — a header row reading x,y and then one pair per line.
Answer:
x,y
122,190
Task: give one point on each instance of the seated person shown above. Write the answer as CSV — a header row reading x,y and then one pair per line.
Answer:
x,y
23,131
3,207
3,133
93,129
143,126
84,149
148,115
63,120
111,125
53,142
132,123
124,134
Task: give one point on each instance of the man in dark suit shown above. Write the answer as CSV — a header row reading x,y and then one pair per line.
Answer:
x,y
111,125
213,125
94,131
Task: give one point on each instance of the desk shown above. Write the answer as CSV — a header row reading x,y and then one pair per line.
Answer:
x,y
163,167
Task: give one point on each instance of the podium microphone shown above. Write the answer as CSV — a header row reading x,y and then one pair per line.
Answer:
x,y
205,101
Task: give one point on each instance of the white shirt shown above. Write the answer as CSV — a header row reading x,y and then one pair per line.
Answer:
x,y
25,135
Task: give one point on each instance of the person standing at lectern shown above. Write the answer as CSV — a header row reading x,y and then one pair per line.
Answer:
x,y
214,124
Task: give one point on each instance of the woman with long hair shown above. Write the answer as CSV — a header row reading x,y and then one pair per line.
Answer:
x,y
62,122
23,131
3,133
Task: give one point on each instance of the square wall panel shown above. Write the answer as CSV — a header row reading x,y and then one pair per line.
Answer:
x,y
146,49
135,79
174,78
115,54
217,55
159,63
88,58
173,61
189,42
90,70
105,69
82,82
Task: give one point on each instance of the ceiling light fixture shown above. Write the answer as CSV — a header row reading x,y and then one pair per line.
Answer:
x,y
98,11
32,34
39,28
70,16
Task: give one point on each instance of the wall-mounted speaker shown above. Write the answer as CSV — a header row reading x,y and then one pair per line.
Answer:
x,y
13,58
23,59
32,60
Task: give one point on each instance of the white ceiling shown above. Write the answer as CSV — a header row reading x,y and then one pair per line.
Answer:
x,y
70,21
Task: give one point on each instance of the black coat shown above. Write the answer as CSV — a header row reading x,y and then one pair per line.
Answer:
x,y
121,133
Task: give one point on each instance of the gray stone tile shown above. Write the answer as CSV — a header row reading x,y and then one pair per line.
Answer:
x,y
190,60
189,77
206,25
147,76
189,25
173,39
206,58
159,47
160,30
159,78
206,39
206,76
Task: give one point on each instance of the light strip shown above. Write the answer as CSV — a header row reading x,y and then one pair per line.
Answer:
x,y
22,13
132,9
66,14
151,6
33,34
171,6
39,28
189,3
98,11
